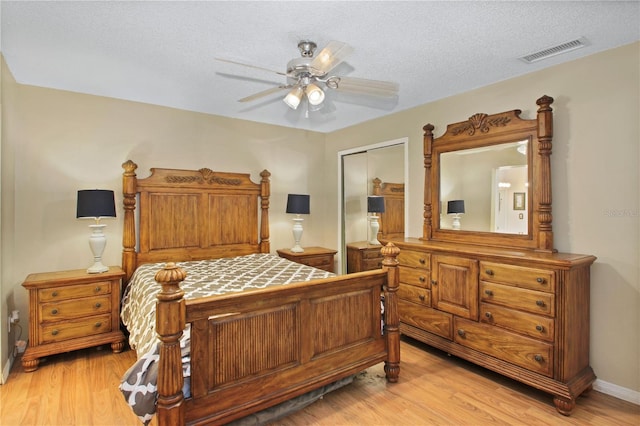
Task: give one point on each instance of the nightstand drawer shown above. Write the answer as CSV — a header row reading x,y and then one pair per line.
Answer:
x,y
74,291
370,264
72,329
320,262
74,308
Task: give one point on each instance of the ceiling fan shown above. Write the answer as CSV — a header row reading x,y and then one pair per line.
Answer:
x,y
309,74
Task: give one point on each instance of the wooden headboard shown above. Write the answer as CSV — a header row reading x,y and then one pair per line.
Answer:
x,y
392,220
192,215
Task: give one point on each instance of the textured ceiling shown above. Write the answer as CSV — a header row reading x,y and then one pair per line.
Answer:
x,y
163,52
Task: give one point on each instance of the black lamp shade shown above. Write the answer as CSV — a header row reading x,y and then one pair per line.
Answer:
x,y
375,204
455,206
298,204
96,203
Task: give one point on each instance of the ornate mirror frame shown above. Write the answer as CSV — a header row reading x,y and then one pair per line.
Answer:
x,y
482,130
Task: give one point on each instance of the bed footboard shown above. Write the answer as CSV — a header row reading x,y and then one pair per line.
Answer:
x,y
252,350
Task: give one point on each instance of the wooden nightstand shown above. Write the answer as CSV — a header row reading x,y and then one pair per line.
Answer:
x,y
71,310
318,257
362,256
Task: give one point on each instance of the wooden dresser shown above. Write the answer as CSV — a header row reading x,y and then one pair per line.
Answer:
x,y
362,256
522,314
71,310
318,257
494,290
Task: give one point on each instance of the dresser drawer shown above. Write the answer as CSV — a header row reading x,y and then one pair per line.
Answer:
x,y
55,332
74,291
536,326
528,353
414,294
414,259
531,278
518,298
74,308
427,319
417,277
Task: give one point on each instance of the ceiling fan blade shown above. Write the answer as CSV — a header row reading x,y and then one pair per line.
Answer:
x,y
250,66
364,86
264,93
332,54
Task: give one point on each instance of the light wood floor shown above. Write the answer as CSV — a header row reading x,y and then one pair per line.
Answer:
x,y
81,388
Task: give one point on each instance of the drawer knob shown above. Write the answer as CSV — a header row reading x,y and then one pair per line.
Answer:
x,y
54,294
54,332
461,332
54,312
98,289
422,260
98,324
422,279
421,297
539,328
540,280
488,292
98,305
489,272
538,358
488,314
540,303
434,282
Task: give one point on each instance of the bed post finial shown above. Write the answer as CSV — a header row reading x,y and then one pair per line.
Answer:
x,y
265,193
392,317
129,229
170,321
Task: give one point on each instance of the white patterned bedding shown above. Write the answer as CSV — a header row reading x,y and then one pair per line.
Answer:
x,y
204,278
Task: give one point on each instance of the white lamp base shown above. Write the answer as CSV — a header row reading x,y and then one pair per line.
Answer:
x,y
297,234
97,242
375,227
456,221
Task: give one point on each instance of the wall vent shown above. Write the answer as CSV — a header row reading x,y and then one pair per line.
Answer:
x,y
555,50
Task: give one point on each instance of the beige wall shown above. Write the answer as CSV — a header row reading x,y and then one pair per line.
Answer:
x,y
60,142
63,141
596,188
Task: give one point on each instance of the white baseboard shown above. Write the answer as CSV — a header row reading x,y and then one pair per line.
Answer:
x,y
6,370
619,392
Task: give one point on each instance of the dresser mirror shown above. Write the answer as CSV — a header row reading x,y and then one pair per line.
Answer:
x,y
488,180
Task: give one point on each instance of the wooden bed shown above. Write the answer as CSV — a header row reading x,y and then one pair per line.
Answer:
x,y
255,349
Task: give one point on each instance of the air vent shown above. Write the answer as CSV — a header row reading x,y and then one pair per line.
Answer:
x,y
555,50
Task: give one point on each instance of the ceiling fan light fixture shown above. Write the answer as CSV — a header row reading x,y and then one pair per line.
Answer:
x,y
315,95
294,97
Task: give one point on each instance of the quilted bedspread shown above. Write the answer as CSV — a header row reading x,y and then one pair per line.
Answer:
x,y
204,278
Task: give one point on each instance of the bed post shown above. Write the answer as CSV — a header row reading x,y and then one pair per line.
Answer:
x,y
392,317
129,231
170,321
265,192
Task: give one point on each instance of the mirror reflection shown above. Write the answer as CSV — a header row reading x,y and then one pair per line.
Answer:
x,y
377,171
486,189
